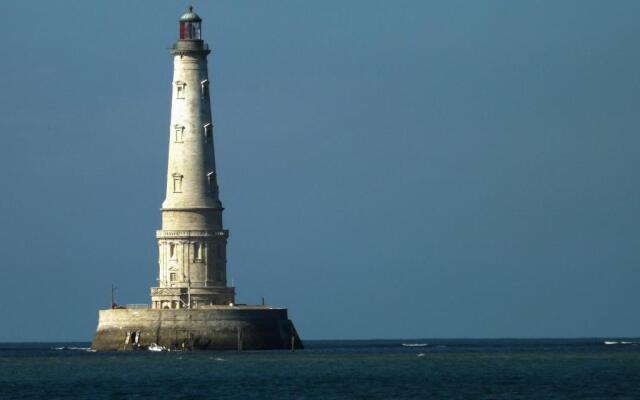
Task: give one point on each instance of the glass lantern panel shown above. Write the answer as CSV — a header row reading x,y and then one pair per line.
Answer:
x,y
183,30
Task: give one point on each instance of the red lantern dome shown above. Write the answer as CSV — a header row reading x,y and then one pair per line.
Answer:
x,y
190,26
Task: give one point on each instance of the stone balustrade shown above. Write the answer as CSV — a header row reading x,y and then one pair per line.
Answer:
x,y
163,234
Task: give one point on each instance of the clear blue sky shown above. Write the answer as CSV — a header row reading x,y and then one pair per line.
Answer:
x,y
389,168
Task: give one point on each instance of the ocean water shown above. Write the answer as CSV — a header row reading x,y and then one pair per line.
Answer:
x,y
385,369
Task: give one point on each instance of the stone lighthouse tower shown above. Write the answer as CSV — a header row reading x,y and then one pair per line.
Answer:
x,y
192,242
192,307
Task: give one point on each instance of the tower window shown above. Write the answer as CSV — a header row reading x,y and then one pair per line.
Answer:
x,y
180,89
205,88
211,179
177,183
208,132
179,133
172,277
172,251
197,251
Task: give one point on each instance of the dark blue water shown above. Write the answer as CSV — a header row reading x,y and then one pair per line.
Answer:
x,y
445,369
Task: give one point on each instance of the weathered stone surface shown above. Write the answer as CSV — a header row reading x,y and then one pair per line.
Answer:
x,y
192,242
216,328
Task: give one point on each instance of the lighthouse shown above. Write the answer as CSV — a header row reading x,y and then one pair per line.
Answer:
x,y
192,242
192,307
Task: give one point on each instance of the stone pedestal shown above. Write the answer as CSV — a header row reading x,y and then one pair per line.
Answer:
x,y
213,328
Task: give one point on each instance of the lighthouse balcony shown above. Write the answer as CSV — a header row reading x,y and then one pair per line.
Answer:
x,y
167,234
190,46
185,297
168,292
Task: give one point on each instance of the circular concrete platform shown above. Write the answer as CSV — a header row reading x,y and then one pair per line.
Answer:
x,y
213,328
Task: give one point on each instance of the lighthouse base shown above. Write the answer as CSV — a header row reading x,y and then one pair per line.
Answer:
x,y
214,328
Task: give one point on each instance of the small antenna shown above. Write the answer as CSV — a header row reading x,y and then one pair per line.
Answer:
x,y
113,296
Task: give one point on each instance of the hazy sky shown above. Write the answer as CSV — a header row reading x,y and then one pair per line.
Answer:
x,y
389,168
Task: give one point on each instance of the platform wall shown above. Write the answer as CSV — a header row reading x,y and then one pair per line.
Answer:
x,y
222,328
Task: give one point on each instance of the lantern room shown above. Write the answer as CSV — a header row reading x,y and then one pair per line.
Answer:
x,y
190,26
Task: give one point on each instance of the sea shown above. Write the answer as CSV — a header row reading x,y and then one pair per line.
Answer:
x,y
354,369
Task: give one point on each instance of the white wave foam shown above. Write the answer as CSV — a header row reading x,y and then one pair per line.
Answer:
x,y
621,342
89,349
